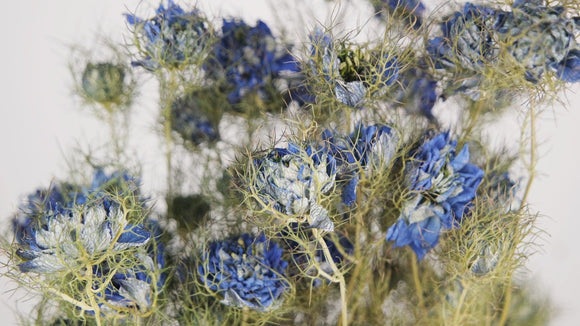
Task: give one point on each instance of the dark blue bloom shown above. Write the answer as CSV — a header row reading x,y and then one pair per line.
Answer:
x,y
249,59
59,225
292,180
542,38
172,38
246,271
194,120
443,183
417,92
367,148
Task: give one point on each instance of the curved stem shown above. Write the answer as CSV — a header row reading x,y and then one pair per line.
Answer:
x,y
531,169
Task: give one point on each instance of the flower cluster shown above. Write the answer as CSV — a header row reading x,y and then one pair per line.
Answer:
x,y
247,271
539,38
304,232
442,184
249,59
292,180
351,72
173,37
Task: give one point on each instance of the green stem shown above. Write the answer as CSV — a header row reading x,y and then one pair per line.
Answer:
x,y
531,170
244,316
506,303
417,281
167,96
113,129
459,305
339,278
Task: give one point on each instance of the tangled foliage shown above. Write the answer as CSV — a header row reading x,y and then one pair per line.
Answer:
x,y
327,180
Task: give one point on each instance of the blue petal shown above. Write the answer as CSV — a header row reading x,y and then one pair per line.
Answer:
x,y
569,68
134,234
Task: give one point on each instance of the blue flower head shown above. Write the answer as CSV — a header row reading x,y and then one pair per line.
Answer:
x,y
292,180
469,44
351,72
542,38
58,226
172,38
369,148
195,118
468,39
443,183
247,271
249,59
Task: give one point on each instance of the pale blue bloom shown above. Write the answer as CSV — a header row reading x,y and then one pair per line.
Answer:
x,y
543,38
59,225
292,180
245,270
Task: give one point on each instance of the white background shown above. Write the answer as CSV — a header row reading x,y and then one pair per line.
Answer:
x,y
40,123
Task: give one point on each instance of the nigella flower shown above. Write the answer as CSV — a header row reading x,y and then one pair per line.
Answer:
x,y
53,242
247,271
468,40
172,38
351,73
249,60
292,180
195,118
543,38
443,183
468,45
368,148
58,226
104,82
411,10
